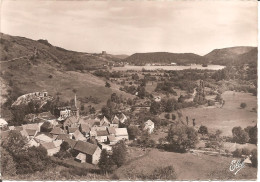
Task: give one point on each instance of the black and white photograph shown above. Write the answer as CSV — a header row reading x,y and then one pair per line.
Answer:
x,y
128,90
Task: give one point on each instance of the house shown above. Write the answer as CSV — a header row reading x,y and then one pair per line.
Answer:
x,y
77,135
72,129
111,139
43,137
33,126
24,134
121,134
111,131
102,135
32,143
62,136
85,129
123,118
57,131
149,126
47,116
71,142
115,120
71,121
31,133
157,99
98,128
51,148
104,122
87,152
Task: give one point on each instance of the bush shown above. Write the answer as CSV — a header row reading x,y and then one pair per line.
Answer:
x,y
211,103
203,130
243,105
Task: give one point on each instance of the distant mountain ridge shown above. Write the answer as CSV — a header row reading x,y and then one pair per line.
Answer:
x,y
232,54
225,56
165,57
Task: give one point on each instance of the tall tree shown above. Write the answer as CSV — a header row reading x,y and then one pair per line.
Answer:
x,y
119,153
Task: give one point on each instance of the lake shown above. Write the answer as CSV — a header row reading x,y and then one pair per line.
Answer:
x,y
193,66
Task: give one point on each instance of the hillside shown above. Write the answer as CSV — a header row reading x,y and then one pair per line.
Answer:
x,y
53,70
233,54
164,57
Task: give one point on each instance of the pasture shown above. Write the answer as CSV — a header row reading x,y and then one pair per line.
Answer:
x,y
186,166
227,117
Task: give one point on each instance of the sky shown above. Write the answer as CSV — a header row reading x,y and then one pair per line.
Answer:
x,y
127,27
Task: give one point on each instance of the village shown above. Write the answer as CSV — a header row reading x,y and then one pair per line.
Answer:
x,y
74,129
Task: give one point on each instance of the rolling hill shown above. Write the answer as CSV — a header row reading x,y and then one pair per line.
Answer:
x,y
231,55
55,70
225,56
164,57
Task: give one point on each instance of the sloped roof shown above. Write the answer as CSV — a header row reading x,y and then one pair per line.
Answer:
x,y
98,128
70,120
57,131
46,116
3,122
79,136
57,143
24,133
102,133
72,129
111,130
111,138
121,131
115,120
85,128
71,142
18,128
48,145
86,147
33,126
31,132
104,121
62,136
44,137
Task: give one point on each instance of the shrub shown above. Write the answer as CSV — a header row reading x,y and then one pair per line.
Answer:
x,y
173,116
211,103
243,105
160,173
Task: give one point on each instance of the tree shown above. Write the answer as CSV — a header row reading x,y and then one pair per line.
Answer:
x,y
253,135
46,127
8,166
173,116
243,105
203,130
182,137
239,135
155,108
32,160
106,163
14,143
64,146
167,116
133,132
254,158
107,85
119,153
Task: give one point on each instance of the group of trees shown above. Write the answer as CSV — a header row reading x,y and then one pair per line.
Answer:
x,y
181,138
242,136
165,87
18,158
107,162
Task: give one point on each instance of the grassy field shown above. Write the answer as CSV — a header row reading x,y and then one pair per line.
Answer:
x,y
187,166
36,78
229,116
